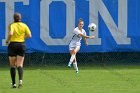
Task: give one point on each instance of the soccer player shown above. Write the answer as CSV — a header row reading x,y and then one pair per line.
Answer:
x,y
17,33
75,43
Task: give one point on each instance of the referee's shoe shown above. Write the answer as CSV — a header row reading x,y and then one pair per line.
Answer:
x,y
13,85
20,84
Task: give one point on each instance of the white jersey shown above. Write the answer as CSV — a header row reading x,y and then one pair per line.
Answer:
x,y
76,38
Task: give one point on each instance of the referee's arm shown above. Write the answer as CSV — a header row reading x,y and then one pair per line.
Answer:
x,y
28,36
28,33
10,34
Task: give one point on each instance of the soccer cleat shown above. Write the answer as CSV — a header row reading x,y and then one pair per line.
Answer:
x,y
13,86
77,72
69,65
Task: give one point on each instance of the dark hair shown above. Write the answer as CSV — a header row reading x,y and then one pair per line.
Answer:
x,y
17,17
80,20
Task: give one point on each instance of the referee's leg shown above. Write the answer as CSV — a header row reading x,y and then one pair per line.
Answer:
x,y
20,60
12,61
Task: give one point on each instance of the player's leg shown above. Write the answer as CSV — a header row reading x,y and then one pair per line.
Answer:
x,y
73,54
72,58
75,61
12,61
75,65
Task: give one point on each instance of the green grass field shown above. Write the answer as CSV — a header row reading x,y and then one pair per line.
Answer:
x,y
96,79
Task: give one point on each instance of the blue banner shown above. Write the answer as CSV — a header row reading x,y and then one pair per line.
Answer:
x,y
52,22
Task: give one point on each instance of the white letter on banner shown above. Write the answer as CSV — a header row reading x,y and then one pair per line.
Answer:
x,y
119,33
9,7
44,24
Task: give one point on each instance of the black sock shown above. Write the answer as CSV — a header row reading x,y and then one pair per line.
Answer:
x,y
20,72
13,74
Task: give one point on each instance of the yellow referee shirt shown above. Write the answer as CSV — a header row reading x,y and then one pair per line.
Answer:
x,y
19,30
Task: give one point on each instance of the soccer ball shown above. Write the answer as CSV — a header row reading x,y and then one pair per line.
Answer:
x,y
91,27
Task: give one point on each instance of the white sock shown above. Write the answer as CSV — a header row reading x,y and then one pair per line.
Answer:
x,y
71,59
75,66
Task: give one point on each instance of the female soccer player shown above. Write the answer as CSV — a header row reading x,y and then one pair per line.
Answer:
x,y
18,31
75,43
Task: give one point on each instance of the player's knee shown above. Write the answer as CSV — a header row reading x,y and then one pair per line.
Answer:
x,y
74,52
74,61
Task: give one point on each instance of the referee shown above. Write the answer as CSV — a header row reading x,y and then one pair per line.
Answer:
x,y
18,31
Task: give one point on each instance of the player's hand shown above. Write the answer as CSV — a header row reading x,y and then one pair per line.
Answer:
x,y
6,42
86,44
92,37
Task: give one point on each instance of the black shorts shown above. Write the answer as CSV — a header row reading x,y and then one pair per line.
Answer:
x,y
16,48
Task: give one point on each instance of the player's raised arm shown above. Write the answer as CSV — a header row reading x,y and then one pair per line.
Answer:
x,y
85,39
85,36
